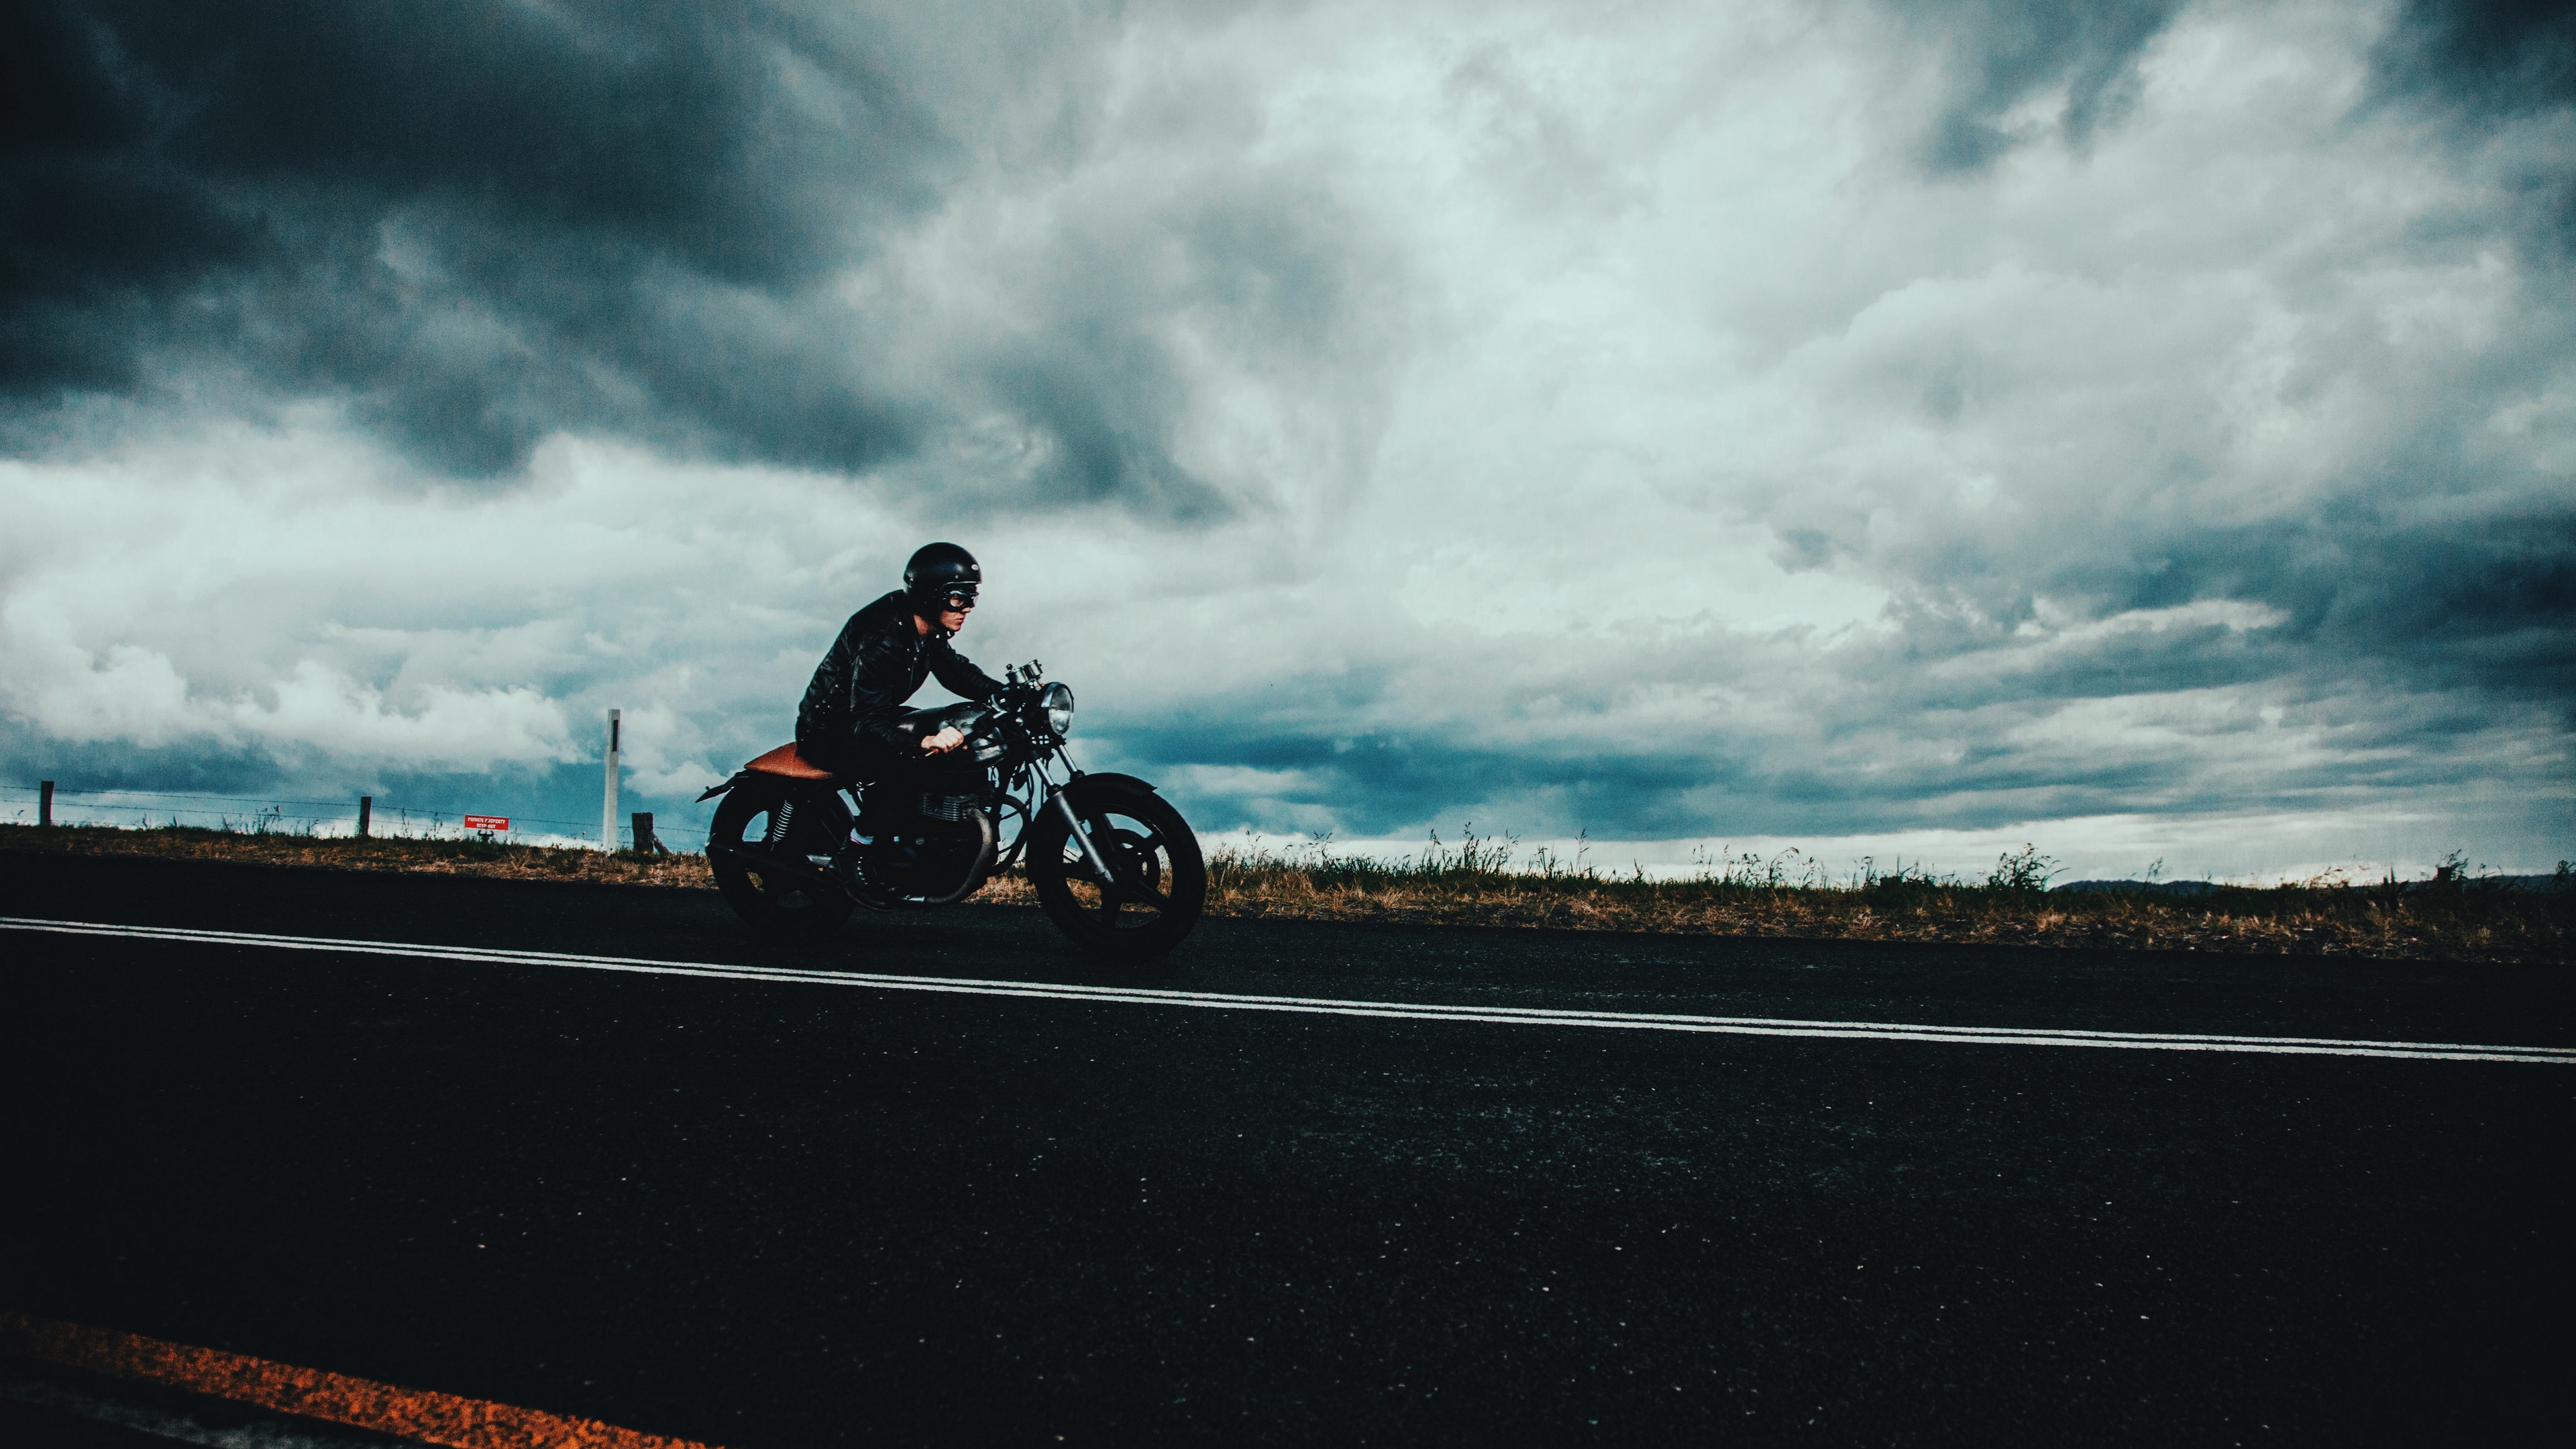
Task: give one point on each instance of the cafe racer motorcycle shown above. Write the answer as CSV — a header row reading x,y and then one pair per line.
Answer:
x,y
1114,865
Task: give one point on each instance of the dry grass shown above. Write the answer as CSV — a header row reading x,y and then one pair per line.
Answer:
x,y
2462,925
1470,884
2456,922
436,857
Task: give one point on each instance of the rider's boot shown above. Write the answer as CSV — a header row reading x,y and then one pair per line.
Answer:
x,y
852,865
863,862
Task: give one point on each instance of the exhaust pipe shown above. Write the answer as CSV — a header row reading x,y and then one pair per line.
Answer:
x,y
798,870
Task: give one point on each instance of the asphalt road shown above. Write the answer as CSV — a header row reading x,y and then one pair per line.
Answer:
x,y
776,1213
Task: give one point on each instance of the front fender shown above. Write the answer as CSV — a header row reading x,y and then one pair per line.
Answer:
x,y
1107,778
714,790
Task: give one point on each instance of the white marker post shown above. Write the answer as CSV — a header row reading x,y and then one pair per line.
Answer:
x,y
608,808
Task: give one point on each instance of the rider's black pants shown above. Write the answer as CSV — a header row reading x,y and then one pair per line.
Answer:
x,y
849,755
895,779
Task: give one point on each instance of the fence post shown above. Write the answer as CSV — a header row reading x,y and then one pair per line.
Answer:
x,y
608,805
366,807
645,839
44,802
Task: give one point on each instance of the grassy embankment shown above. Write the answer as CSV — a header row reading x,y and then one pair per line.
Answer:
x,y
1474,884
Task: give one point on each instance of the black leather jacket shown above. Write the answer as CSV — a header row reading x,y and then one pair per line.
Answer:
x,y
878,662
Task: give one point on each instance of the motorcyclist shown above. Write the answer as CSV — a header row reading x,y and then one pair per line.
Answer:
x,y
853,720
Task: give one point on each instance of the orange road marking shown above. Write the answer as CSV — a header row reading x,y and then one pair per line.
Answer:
x,y
420,1414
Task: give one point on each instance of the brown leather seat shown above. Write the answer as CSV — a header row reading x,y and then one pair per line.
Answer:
x,y
786,761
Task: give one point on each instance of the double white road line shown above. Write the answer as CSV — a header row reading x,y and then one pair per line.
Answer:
x,y
1330,1006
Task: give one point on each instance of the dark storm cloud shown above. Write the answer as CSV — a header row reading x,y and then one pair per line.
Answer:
x,y
2485,603
2483,61
1260,267
1374,784
2000,53
1653,788
2482,58
1893,753
482,224
2496,57
193,767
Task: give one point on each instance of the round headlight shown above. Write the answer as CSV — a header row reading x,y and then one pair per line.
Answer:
x,y
1059,707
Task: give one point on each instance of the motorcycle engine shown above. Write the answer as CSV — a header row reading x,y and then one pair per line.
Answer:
x,y
955,809
936,855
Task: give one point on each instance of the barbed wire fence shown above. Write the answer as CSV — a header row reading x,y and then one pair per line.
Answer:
x,y
341,819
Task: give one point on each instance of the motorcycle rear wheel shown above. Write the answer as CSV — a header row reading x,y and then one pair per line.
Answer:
x,y
1162,881
781,909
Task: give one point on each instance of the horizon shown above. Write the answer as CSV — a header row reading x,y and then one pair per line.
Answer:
x,y
2104,850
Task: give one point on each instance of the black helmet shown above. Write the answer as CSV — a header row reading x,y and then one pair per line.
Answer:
x,y
937,570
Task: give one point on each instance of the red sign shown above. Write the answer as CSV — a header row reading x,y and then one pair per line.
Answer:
x,y
487,822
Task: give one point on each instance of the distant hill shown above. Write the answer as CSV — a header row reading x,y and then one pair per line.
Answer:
x,y
2140,887
2204,887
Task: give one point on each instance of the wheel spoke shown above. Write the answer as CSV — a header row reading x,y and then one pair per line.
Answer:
x,y
1136,886
1132,860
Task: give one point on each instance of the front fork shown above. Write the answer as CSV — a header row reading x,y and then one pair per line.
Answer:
x,y
1056,797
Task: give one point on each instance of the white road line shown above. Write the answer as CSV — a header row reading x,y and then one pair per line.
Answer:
x,y
1330,1006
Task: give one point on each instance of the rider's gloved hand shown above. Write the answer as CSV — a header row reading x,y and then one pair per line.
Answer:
x,y
944,741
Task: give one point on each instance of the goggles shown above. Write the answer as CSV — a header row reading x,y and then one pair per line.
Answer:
x,y
959,599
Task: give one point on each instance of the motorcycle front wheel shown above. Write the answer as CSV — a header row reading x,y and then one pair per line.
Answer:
x,y
1159,881
763,817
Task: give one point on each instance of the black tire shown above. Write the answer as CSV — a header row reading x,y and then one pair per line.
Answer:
x,y
783,910
1162,880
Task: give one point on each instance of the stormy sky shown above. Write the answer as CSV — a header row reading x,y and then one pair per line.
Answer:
x,y
2142,428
